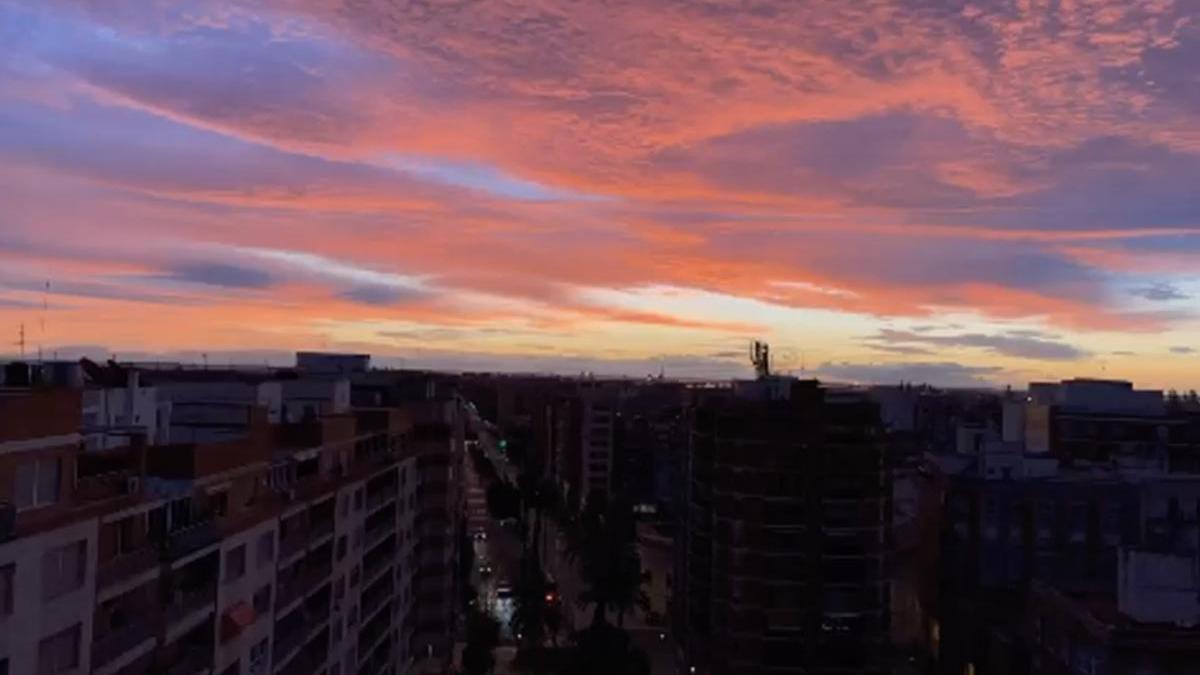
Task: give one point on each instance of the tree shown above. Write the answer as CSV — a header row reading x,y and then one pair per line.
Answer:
x,y
483,636
503,501
529,609
539,498
602,649
602,541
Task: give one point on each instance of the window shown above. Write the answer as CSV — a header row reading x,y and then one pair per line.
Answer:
x,y
59,653
262,599
354,577
235,563
358,499
123,529
63,569
258,657
339,589
37,483
345,499
341,547
337,631
7,573
266,548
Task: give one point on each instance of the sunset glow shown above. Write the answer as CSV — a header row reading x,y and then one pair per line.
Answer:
x,y
962,193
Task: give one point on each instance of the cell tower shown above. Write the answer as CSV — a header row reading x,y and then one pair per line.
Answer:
x,y
760,357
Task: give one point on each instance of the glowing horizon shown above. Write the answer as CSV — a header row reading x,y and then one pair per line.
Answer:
x,y
961,193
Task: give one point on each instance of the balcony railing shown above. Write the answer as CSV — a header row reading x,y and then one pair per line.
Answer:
x,y
113,644
374,566
315,575
292,545
180,543
374,598
369,637
103,486
289,591
126,565
192,662
319,529
381,497
375,534
190,600
288,641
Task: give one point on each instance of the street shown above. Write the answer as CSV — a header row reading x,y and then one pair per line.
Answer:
x,y
501,549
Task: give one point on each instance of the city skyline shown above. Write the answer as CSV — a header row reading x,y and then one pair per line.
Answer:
x,y
990,193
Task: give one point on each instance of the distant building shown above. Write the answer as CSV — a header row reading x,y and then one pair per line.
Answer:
x,y
329,363
782,540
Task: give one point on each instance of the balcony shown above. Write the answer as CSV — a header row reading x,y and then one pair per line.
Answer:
x,y
180,543
378,499
194,661
374,597
289,590
116,643
292,544
320,529
373,632
288,638
126,565
189,601
378,533
316,573
104,486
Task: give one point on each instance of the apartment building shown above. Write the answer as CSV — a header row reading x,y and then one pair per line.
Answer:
x,y
584,436
48,535
781,546
281,532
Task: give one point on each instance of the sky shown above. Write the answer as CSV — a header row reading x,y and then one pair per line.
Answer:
x,y
962,193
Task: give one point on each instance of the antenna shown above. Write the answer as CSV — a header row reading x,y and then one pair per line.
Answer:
x,y
21,341
760,358
42,319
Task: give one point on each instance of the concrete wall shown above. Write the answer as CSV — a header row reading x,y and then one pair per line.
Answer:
x,y
259,572
1158,587
33,618
348,524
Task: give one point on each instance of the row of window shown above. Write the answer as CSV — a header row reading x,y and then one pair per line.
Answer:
x,y
235,558
63,570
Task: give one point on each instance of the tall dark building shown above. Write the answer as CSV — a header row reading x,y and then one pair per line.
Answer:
x,y
783,518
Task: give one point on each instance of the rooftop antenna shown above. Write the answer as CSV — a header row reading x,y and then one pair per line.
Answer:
x,y
760,358
42,319
21,341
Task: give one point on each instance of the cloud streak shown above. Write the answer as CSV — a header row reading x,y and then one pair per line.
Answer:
x,y
610,176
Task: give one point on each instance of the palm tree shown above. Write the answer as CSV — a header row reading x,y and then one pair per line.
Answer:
x,y
602,541
483,636
605,650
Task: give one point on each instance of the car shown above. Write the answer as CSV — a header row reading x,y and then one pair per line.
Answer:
x,y
480,535
485,568
504,591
